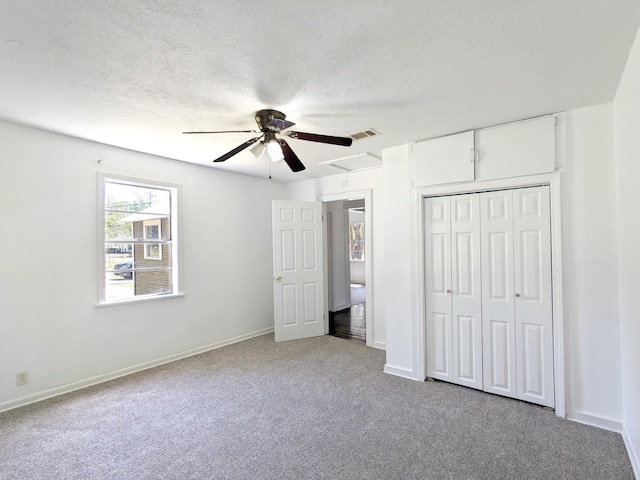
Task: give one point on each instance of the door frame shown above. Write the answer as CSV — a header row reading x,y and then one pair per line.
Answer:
x,y
418,268
367,195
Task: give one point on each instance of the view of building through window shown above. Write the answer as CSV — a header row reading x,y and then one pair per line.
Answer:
x,y
137,237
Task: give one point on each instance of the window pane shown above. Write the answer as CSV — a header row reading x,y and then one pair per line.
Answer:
x,y
118,268
134,198
134,212
356,241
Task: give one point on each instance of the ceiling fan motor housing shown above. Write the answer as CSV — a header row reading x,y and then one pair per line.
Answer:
x,y
263,117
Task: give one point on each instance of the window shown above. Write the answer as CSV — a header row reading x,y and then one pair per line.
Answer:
x,y
356,241
138,228
151,229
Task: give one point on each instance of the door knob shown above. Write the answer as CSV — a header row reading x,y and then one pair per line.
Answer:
x,y
517,295
448,291
278,278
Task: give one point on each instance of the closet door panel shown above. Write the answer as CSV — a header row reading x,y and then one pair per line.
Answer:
x,y
466,296
438,329
499,359
498,354
533,308
437,256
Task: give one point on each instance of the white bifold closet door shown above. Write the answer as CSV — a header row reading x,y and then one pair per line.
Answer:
x,y
454,320
516,295
488,292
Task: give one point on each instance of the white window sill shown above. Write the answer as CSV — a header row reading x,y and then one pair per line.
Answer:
x,y
140,299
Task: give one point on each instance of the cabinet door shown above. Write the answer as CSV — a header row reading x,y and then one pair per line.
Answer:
x,y
533,311
466,298
498,323
516,149
438,285
442,160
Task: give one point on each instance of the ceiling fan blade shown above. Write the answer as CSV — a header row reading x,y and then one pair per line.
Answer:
x,y
223,131
314,137
238,149
290,157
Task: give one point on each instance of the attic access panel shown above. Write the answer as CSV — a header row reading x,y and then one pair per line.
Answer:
x,y
354,163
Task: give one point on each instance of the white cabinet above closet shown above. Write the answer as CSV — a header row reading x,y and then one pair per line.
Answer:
x,y
516,149
442,160
511,150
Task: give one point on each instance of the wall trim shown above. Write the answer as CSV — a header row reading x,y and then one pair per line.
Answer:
x,y
379,345
634,454
401,372
342,306
595,421
71,387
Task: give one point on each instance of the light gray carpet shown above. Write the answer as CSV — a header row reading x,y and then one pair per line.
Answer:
x,y
308,409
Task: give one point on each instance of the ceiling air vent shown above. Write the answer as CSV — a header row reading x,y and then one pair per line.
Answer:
x,y
367,133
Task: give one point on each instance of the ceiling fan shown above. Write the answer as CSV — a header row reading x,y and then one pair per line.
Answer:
x,y
270,123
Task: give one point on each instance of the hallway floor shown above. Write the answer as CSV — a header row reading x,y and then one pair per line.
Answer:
x,y
350,323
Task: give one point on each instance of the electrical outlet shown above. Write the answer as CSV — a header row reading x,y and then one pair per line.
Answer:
x,y
22,378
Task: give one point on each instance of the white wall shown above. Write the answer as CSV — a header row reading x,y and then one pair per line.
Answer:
x,y
627,129
593,383
590,270
401,331
50,325
357,271
342,185
339,290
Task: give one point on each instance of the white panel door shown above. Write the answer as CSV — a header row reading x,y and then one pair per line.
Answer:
x,y
499,358
298,270
466,295
533,309
442,160
516,149
438,288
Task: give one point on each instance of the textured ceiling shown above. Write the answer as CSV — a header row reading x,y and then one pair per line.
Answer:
x,y
136,73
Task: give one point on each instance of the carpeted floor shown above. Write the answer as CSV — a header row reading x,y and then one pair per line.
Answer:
x,y
319,408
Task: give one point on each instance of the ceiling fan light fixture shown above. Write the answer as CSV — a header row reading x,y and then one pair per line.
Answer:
x,y
275,151
270,123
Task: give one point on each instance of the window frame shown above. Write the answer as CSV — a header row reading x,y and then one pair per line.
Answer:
x,y
175,243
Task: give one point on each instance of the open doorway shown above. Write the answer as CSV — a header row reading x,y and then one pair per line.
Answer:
x,y
347,269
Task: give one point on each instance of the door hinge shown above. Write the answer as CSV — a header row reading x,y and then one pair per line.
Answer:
x,y
322,218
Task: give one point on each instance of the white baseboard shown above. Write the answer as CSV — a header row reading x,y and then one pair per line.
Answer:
x,y
379,345
633,450
342,306
401,372
70,387
595,421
